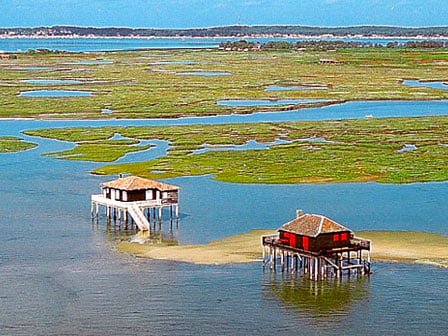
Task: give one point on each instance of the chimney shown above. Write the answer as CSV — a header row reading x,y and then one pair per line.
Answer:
x,y
299,213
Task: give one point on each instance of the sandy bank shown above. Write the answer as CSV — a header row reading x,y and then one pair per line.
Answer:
x,y
418,247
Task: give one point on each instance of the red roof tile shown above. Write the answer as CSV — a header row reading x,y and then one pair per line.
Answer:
x,y
137,183
313,225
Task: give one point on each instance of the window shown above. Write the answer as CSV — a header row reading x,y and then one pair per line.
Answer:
x,y
336,237
149,194
344,236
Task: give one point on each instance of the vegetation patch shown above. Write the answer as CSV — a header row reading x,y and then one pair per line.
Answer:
x,y
100,151
146,84
14,144
354,150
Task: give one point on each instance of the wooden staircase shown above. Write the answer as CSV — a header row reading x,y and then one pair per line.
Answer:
x,y
139,217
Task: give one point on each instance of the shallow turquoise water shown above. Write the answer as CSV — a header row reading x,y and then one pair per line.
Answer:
x,y
55,94
431,84
99,62
266,102
205,73
30,68
108,44
349,110
61,275
294,88
52,81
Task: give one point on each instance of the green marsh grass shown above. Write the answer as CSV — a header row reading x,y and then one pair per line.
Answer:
x,y
358,150
134,87
14,144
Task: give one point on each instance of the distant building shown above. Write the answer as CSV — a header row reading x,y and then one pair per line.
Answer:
x,y
329,61
6,56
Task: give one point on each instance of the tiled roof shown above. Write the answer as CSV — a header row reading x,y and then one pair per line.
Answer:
x,y
313,225
137,183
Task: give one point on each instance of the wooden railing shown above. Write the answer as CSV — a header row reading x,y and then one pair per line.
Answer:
x,y
269,239
359,242
148,203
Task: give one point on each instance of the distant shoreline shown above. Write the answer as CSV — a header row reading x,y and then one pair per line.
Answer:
x,y
256,36
231,32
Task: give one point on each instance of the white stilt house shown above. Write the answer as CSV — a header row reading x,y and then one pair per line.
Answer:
x,y
136,196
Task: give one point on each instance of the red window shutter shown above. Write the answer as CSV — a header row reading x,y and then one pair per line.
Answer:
x,y
336,237
284,238
292,240
306,243
344,236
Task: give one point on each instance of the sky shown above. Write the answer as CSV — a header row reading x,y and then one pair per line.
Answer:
x,y
210,13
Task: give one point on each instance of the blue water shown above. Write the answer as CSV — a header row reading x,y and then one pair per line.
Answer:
x,y
52,81
350,110
99,62
294,88
316,140
249,145
108,44
55,94
158,149
429,84
29,68
205,73
176,63
266,102
407,148
61,274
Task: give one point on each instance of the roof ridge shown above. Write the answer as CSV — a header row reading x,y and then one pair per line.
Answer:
x,y
337,223
136,182
313,225
322,218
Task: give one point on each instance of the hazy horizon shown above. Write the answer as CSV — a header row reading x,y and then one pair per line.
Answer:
x,y
219,26
176,14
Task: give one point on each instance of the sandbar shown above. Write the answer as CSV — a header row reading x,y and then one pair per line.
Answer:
x,y
389,246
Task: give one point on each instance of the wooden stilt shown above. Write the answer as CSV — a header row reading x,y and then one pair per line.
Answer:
x,y
160,214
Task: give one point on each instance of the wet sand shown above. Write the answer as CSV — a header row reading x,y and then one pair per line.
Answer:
x,y
391,246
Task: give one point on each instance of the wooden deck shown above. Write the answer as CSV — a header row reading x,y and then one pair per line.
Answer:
x,y
318,265
136,210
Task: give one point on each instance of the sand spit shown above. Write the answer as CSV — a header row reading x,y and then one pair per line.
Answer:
x,y
241,248
391,246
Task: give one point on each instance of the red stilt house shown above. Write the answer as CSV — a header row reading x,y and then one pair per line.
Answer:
x,y
315,233
318,246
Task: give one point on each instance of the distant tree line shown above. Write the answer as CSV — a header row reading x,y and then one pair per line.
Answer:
x,y
244,45
44,51
231,31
